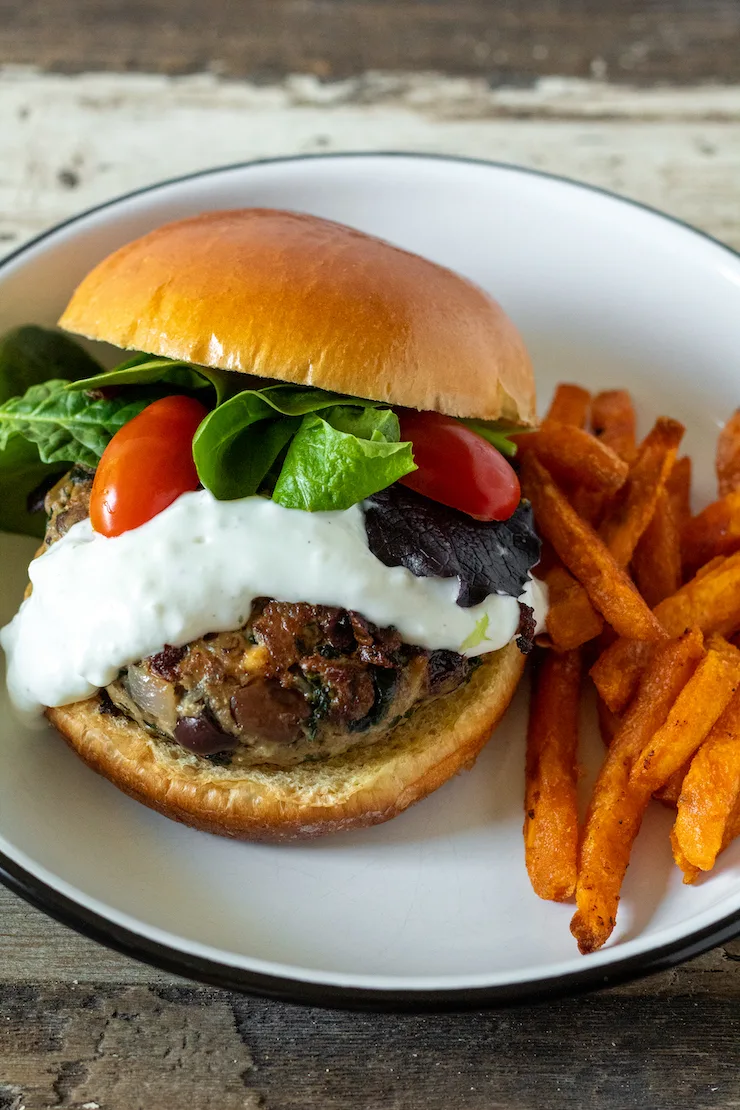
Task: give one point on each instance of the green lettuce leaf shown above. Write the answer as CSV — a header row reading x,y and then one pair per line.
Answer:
x,y
239,443
326,468
367,423
184,376
66,426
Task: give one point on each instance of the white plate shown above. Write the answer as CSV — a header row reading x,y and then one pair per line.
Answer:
x,y
433,908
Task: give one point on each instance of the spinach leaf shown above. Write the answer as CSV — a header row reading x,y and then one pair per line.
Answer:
x,y
66,426
297,400
30,354
240,464
238,443
21,471
326,468
146,370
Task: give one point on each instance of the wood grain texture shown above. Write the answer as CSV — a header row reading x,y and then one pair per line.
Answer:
x,y
505,42
99,1045
70,142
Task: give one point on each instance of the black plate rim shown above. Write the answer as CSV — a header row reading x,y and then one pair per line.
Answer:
x,y
95,926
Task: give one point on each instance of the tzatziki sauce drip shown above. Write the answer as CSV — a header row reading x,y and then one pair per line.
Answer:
x,y
100,603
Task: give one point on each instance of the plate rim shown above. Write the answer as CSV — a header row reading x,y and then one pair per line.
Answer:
x,y
110,934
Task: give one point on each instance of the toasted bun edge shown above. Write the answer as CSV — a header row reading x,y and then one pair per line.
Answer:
x,y
363,787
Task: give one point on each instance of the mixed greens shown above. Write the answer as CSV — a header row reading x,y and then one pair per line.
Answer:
x,y
308,448
30,356
432,540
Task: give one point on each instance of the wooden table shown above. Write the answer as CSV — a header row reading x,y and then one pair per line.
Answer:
x,y
640,98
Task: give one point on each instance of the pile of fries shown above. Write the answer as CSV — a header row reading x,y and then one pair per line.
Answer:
x,y
644,599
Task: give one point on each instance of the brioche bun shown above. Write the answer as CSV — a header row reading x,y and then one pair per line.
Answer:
x,y
301,299
363,787
295,298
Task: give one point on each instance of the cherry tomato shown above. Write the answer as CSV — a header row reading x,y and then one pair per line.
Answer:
x,y
458,467
146,466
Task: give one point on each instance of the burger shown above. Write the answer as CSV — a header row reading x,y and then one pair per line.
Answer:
x,y
285,582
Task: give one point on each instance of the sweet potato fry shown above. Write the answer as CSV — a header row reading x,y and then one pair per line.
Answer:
x,y
586,557
613,421
710,567
694,713
551,808
710,792
670,792
656,563
711,601
714,531
609,723
635,506
617,671
732,832
728,456
574,457
679,491
590,504
570,405
571,618
617,806
692,873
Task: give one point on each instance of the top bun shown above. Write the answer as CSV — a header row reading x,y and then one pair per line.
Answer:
x,y
301,299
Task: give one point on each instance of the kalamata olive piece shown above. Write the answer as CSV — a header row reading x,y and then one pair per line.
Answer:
x,y
202,736
267,710
446,671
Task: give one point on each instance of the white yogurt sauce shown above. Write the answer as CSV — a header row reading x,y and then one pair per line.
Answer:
x,y
100,603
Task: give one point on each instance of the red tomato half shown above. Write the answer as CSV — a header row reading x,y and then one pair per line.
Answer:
x,y
457,467
146,466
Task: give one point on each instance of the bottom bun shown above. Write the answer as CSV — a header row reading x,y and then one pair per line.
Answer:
x,y
361,787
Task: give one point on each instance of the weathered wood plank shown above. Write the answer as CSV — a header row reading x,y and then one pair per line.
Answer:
x,y
515,41
69,142
35,949
102,1046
